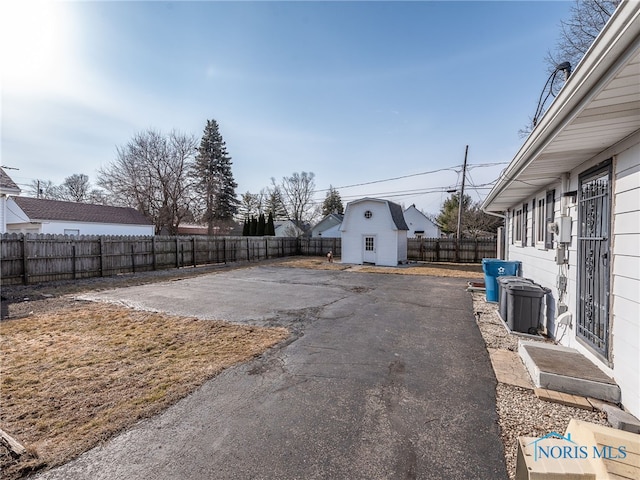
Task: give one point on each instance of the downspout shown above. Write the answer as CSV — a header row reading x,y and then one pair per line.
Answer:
x,y
505,244
564,210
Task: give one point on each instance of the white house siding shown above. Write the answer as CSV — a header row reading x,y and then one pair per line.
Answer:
x,y
3,214
82,228
539,265
417,221
625,302
402,246
333,232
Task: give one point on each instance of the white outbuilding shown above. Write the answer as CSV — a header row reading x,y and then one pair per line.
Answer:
x,y
374,231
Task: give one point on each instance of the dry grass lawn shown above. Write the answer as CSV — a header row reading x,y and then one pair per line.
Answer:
x,y
74,377
458,270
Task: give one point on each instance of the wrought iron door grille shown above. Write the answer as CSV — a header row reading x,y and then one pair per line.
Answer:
x,y
593,259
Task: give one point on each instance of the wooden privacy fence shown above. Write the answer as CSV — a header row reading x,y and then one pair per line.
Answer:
x,y
467,250
44,258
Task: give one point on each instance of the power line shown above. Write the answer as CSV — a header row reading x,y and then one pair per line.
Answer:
x,y
390,179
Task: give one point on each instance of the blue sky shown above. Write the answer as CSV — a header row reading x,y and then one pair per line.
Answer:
x,y
352,91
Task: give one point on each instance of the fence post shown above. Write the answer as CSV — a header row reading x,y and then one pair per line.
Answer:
x,y
73,259
133,259
437,250
224,250
177,252
266,248
475,252
25,260
153,252
193,249
102,256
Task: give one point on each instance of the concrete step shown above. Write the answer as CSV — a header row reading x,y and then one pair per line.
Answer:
x,y
564,369
585,452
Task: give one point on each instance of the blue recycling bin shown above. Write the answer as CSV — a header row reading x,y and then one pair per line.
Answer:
x,y
494,268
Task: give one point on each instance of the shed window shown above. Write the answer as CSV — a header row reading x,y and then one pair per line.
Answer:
x,y
368,214
368,244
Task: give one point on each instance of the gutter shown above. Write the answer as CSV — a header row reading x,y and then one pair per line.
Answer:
x,y
600,63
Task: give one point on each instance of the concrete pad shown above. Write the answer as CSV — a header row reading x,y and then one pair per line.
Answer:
x,y
509,368
564,369
250,295
621,420
386,376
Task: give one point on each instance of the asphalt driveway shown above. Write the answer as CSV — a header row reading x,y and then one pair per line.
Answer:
x,y
386,377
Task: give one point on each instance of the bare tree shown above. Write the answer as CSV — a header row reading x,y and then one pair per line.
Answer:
x,y
587,20
299,190
76,188
251,204
150,174
588,17
44,189
274,202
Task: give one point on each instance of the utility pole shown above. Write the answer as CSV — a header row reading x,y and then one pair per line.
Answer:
x,y
461,197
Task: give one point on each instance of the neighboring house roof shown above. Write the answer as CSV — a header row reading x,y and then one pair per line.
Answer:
x,y
597,108
413,208
329,221
395,210
7,185
43,209
282,224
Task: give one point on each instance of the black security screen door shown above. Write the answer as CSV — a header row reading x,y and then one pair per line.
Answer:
x,y
594,214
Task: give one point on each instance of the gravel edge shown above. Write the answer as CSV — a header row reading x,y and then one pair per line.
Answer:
x,y
520,412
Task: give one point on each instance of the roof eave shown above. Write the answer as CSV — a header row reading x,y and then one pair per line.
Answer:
x,y
611,48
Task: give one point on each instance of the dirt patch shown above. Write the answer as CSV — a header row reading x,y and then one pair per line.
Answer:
x,y
456,270
74,376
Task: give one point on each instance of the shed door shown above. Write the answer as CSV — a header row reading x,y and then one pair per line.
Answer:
x,y
594,213
369,249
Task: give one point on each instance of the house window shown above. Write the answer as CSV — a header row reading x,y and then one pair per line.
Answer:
x,y
368,214
71,231
551,201
541,222
525,215
517,227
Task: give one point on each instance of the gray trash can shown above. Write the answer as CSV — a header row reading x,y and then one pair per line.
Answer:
x,y
524,306
502,296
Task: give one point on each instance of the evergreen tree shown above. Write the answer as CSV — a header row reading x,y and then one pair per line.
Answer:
x,y
270,228
213,178
245,228
253,227
274,203
447,220
261,225
332,202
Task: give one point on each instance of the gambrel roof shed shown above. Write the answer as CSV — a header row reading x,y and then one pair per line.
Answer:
x,y
374,231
